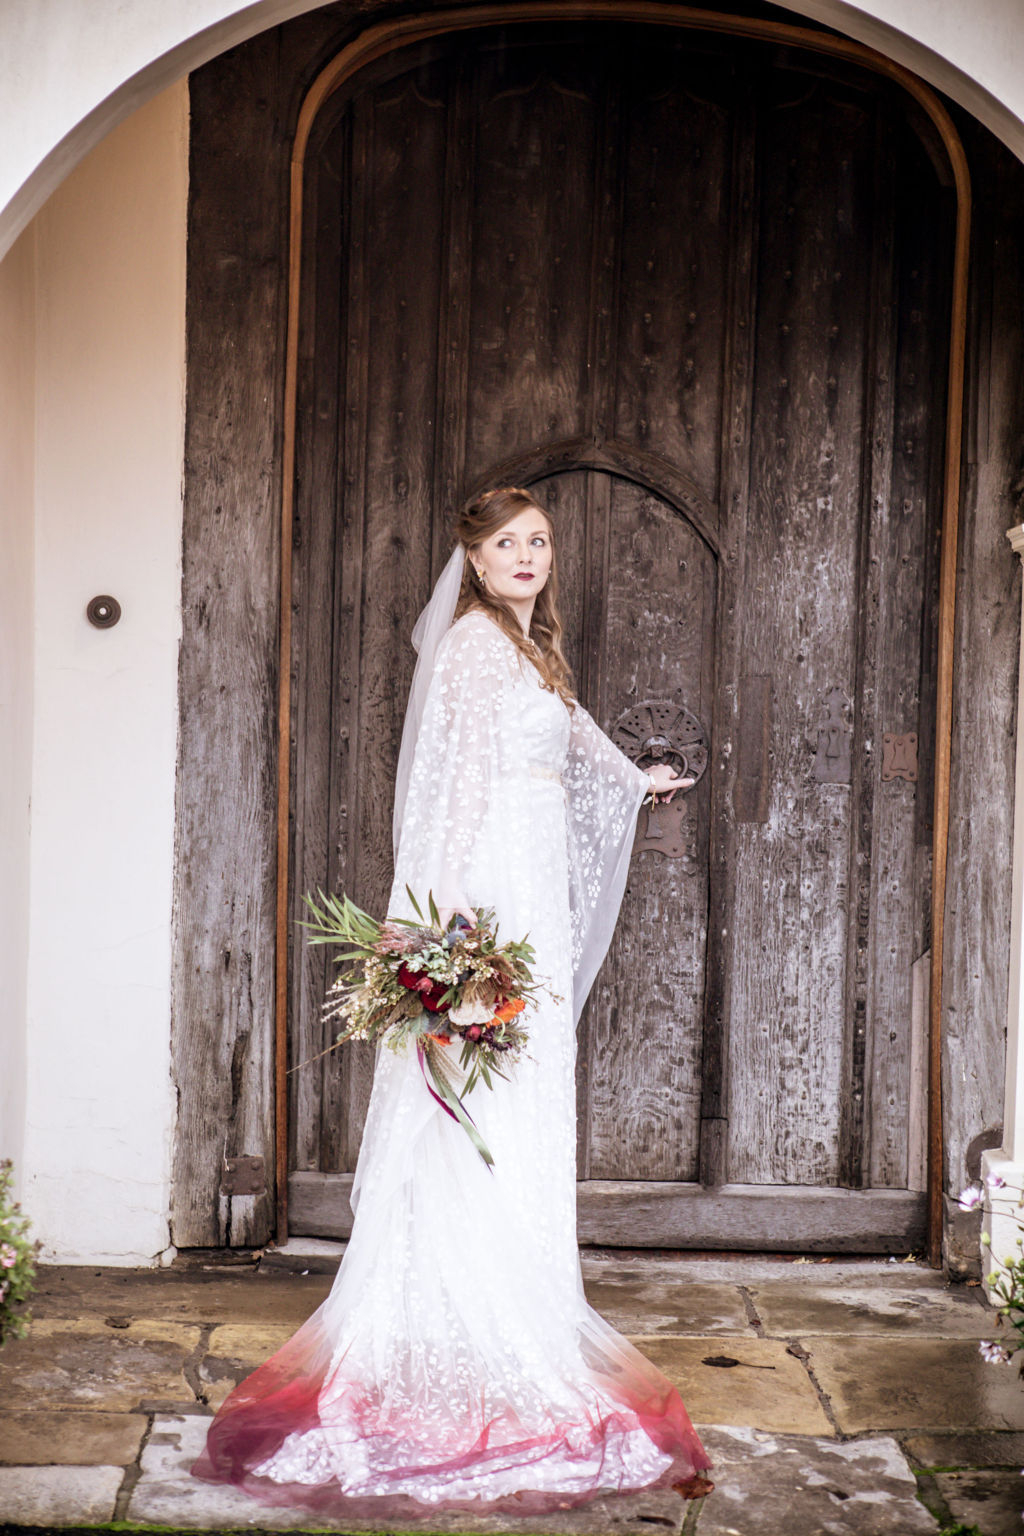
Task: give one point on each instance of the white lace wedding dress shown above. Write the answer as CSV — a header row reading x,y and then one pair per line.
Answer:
x,y
456,1362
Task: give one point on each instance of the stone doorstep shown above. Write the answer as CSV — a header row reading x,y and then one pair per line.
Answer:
x,y
185,1296
274,1298
751,1270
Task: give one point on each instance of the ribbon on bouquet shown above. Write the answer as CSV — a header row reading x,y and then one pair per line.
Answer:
x,y
452,1105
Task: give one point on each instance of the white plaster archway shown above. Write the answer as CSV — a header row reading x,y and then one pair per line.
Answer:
x,y
73,69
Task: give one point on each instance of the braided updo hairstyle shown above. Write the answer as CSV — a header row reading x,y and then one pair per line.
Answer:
x,y
482,517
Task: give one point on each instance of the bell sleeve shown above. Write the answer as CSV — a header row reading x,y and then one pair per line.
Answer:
x,y
456,770
604,791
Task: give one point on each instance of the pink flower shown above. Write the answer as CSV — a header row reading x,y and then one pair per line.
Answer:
x,y
8,1256
971,1197
993,1354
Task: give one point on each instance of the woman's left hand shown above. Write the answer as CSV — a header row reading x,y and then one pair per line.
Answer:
x,y
667,781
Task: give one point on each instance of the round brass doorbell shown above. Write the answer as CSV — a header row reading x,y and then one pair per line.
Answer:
x,y
103,612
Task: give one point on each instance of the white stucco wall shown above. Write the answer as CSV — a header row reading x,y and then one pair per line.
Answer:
x,y
109,444
72,69
17,458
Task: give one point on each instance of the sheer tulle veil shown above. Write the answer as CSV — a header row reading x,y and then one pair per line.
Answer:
x,y
603,793
427,633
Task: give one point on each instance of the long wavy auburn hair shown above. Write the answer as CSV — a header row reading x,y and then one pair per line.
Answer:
x,y
482,517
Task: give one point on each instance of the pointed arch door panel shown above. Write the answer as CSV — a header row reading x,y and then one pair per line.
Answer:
x,y
700,303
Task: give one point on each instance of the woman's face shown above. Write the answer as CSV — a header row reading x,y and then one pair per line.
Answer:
x,y
516,559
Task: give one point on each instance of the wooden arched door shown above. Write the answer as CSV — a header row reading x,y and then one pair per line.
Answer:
x,y
700,301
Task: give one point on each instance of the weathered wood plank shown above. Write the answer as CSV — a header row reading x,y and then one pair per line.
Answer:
x,y
976,951
635,1214
864,941
904,545
680,98
527,379
314,745
917,1091
789,919
645,1016
224,909
787,1217
732,662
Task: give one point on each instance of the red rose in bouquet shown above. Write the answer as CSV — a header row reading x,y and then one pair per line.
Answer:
x,y
430,992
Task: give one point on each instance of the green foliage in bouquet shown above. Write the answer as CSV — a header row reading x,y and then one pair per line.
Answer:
x,y
17,1260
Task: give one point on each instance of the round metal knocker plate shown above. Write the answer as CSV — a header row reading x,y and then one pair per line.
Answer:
x,y
660,731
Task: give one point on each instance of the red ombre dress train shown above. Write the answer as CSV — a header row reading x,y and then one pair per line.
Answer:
x,y
456,1362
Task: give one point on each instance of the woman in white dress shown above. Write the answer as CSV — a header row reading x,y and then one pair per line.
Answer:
x,y
456,1363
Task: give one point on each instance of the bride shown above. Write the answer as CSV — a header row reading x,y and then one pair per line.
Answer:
x,y
456,1363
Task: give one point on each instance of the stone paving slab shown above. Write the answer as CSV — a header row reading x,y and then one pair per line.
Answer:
x,y
769,1389
990,1448
645,1307
991,1500
72,1438
235,1295
753,1269
789,1485
322,1257
234,1351
72,1364
167,1495
58,1495
876,1307
884,1384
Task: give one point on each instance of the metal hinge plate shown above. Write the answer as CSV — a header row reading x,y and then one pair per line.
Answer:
x,y
899,756
243,1176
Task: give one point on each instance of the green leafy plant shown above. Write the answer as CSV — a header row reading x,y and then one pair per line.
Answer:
x,y
17,1260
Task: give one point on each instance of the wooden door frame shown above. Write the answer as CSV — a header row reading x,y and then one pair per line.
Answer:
x,y
384,38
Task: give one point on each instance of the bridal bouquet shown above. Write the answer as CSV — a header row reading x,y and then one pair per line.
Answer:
x,y
431,985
